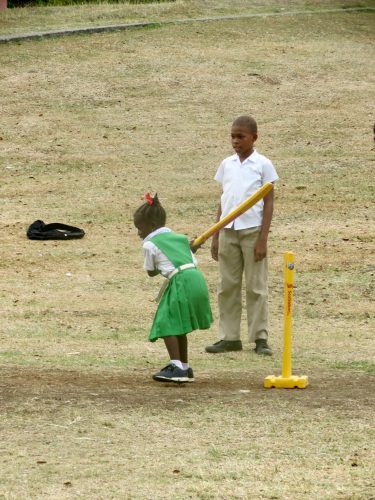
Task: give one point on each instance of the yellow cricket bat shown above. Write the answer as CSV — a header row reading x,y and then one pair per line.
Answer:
x,y
254,198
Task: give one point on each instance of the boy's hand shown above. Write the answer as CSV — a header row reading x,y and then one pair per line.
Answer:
x,y
260,249
215,247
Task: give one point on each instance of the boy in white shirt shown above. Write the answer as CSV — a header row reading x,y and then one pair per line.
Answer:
x,y
241,247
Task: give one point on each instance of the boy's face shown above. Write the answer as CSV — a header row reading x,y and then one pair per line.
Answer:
x,y
144,229
243,141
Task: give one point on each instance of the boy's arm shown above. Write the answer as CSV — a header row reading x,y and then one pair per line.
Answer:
x,y
215,237
260,250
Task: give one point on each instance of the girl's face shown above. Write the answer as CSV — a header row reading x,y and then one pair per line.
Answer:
x,y
144,228
243,141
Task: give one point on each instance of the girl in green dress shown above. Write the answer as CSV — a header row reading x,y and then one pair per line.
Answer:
x,y
184,305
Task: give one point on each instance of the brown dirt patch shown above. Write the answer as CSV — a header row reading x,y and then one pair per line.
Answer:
x,y
336,391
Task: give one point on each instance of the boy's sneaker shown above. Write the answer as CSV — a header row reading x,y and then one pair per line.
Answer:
x,y
261,347
225,346
171,373
190,375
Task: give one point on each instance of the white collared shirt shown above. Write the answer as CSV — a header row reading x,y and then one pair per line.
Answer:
x,y
241,180
155,259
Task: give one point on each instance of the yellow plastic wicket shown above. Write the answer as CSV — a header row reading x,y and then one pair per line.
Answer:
x,y
287,380
254,198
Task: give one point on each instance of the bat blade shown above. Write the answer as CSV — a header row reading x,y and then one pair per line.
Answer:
x,y
241,209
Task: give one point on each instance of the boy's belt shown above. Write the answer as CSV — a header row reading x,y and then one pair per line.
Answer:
x,y
180,268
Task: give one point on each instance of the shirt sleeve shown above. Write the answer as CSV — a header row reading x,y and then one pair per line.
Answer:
x,y
195,261
269,172
149,250
219,176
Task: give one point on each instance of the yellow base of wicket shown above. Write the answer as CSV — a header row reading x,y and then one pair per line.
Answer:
x,y
292,382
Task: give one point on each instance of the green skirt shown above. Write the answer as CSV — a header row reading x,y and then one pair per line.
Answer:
x,y
184,306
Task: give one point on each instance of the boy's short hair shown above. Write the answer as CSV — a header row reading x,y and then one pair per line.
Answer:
x,y
247,122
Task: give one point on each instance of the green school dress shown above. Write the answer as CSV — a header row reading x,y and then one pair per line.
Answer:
x,y
185,304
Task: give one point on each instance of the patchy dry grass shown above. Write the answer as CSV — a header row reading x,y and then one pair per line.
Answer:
x,y
92,122
37,19
105,436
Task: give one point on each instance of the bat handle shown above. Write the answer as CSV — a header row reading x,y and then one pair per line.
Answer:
x,y
198,241
202,239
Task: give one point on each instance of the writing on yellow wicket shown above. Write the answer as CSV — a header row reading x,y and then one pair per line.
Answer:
x,y
286,380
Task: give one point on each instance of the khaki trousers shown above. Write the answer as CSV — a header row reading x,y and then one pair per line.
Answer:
x,y
236,255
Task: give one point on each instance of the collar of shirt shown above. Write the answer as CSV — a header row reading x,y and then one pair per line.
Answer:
x,y
160,230
251,158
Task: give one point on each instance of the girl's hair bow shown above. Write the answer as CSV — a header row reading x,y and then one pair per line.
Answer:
x,y
149,200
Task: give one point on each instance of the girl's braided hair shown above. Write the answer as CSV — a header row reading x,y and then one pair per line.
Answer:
x,y
151,212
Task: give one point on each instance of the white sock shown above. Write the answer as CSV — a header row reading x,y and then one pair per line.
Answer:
x,y
177,363
185,366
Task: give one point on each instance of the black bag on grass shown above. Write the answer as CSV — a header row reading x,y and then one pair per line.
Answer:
x,y
38,230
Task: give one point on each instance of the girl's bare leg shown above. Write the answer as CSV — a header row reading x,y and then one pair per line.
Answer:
x,y
173,348
183,347
177,347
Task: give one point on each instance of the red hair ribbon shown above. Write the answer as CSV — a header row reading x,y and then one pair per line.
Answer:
x,y
149,200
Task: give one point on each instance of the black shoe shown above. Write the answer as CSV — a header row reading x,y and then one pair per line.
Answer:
x,y
171,373
262,347
225,346
190,375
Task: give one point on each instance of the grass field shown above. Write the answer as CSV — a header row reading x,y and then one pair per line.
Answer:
x,y
37,19
89,124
